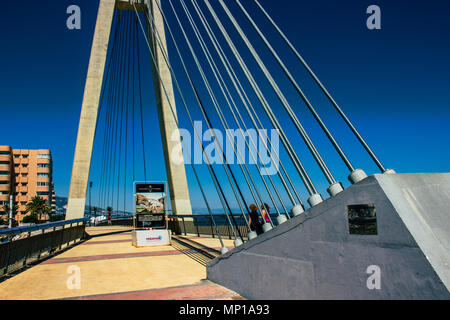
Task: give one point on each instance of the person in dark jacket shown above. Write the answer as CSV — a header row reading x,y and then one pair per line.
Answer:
x,y
255,224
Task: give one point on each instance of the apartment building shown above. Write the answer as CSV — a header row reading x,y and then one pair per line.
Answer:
x,y
6,165
25,174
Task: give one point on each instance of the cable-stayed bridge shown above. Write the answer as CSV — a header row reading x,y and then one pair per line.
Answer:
x,y
213,66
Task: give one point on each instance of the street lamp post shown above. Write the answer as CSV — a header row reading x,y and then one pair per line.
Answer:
x,y
95,216
90,192
11,204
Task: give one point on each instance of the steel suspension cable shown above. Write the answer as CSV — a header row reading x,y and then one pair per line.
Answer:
x,y
219,80
298,89
214,101
110,79
200,103
224,249
140,102
236,110
329,176
113,131
222,197
247,104
122,107
324,90
296,161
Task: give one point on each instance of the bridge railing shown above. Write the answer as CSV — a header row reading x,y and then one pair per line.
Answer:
x,y
196,224
202,225
24,245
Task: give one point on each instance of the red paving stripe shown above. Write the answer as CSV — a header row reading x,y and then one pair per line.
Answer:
x,y
112,256
118,256
203,291
106,241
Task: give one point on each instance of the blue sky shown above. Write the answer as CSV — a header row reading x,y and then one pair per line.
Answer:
x,y
392,83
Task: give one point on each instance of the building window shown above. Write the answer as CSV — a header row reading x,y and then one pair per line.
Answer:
x,y
43,193
23,203
43,165
4,182
5,152
23,193
4,173
43,184
3,203
43,156
16,156
44,175
3,193
25,165
362,219
24,184
4,162
25,156
16,165
24,174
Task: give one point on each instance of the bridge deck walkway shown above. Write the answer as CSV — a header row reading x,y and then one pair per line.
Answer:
x,y
111,268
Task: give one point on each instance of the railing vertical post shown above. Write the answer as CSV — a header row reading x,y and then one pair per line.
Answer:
x,y
9,254
62,237
184,226
28,251
196,224
229,230
71,234
212,229
40,249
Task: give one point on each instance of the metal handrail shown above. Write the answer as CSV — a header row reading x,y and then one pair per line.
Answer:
x,y
19,230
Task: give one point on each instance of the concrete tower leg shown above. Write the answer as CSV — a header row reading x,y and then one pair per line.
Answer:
x,y
176,173
89,111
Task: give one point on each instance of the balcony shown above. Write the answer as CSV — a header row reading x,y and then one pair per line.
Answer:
x,y
43,189
46,161
5,187
22,179
5,157
5,167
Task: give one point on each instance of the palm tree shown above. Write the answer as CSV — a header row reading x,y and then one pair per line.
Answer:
x,y
38,206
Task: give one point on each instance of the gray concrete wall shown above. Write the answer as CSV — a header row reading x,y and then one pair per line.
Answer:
x,y
423,203
314,256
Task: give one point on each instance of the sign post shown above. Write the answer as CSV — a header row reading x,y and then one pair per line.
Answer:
x,y
150,216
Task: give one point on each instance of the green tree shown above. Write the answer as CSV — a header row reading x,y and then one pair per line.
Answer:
x,y
31,218
38,206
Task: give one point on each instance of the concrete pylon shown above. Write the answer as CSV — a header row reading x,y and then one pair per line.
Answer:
x,y
176,173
